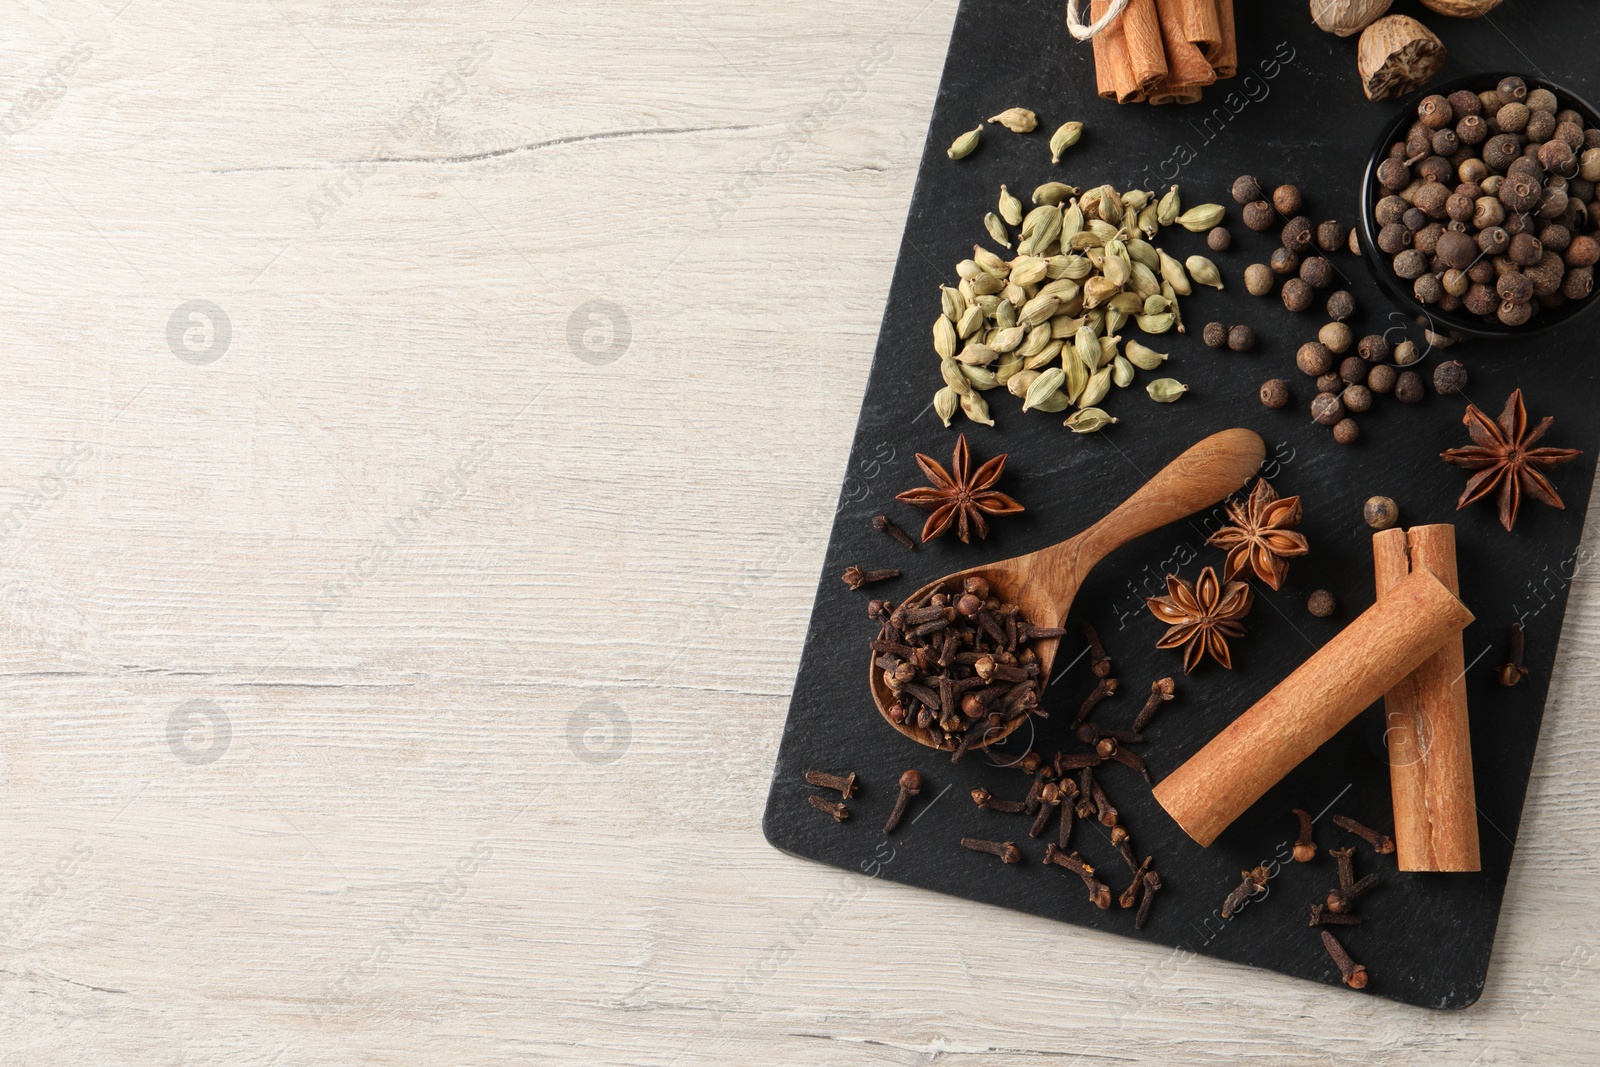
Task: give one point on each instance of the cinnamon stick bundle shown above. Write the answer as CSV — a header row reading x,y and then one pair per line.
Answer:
x,y
1164,51
1430,746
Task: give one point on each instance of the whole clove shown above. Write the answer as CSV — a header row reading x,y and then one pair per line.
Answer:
x,y
1383,844
1103,688
1099,893
1152,882
1305,848
1354,975
1161,691
843,784
1069,797
855,577
1049,800
1254,883
988,802
1130,896
1108,748
1099,662
1321,916
1006,850
839,812
884,525
1512,671
910,786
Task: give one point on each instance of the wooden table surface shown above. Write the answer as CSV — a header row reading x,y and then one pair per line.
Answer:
x,y
422,427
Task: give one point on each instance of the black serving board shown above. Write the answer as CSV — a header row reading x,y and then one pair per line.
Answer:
x,y
1296,114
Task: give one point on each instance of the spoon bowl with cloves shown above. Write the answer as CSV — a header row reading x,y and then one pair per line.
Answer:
x,y
1003,620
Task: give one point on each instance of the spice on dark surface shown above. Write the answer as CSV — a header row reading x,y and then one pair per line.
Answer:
x,y
1449,377
1322,604
1215,335
1380,512
1099,660
910,786
1161,691
960,495
1321,916
839,812
1007,851
1305,847
1354,974
1254,883
1512,671
1201,617
843,784
1504,461
1261,537
1275,393
1099,893
855,577
1383,844
1241,339
885,525
988,802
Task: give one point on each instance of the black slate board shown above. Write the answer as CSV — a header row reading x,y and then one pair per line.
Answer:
x,y
1298,115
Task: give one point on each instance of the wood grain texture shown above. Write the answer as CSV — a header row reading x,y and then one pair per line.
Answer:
x,y
401,687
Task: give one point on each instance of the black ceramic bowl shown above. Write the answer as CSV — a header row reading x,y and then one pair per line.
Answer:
x,y
1399,290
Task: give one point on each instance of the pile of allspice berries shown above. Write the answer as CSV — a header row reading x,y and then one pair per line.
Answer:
x,y
1490,203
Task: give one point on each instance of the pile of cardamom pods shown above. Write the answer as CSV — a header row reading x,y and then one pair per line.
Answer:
x,y
1046,324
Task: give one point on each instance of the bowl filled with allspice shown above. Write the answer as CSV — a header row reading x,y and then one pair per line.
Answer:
x,y
1479,206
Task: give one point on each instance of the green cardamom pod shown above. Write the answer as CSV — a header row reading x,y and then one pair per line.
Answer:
x,y
1166,390
1155,323
1134,200
1015,294
976,408
1117,270
1149,220
1172,271
1086,345
1172,301
986,284
1121,372
1064,327
1108,351
1007,340
1006,368
1076,267
1048,382
1202,218
1127,303
1017,384
1064,138
1167,211
1089,420
1044,357
1116,319
1053,193
1038,340
1142,357
1017,119
966,144
1142,251
953,303
1144,281
977,355
1039,309
1155,304
944,337
1096,321
1104,230
971,322
1110,206
989,305
1010,207
997,230
991,263
1029,270
1072,222
1047,232
1204,271
968,269
981,377
1097,389
1056,401
1097,291
945,402
953,378
1005,315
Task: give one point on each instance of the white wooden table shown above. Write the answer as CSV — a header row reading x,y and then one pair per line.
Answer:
x,y
398,639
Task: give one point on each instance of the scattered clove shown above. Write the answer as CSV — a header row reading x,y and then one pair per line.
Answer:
x,y
1512,671
1069,797
1108,748
1099,893
1100,663
1006,850
1305,848
1103,688
1130,896
1383,844
855,577
1049,799
1254,884
1161,691
1355,975
1321,916
987,801
910,786
884,525
839,812
1152,882
843,784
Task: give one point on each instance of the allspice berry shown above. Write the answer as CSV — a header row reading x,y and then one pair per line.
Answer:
x,y
1246,190
1353,370
1381,378
1258,279
1345,431
1380,512
1374,348
1321,604
1406,353
1297,234
1356,398
1330,383
1287,199
1215,335
1314,359
1297,295
1275,393
1332,236
1449,377
1241,339
1408,387
1317,272
1341,305
1326,409
1259,216
1338,337
1284,261
1219,239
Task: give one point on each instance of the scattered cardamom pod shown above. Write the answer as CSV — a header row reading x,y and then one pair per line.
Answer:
x,y
951,300
1097,389
945,402
1045,384
953,378
966,144
1017,119
1166,390
1169,207
1039,309
1053,193
1142,357
1008,368
997,230
1155,323
1064,138
977,355
971,322
1044,357
1029,270
944,337
1053,403
982,378
1088,420
1173,273
1005,340
1202,218
1121,372
1204,271
1010,207
1017,384
976,408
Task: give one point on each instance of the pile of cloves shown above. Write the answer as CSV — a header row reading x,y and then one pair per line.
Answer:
x,y
958,663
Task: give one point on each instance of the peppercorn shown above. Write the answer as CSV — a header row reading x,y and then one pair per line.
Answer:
x,y
1411,264
1414,219
1321,603
1525,250
1287,199
1341,305
1337,336
1275,393
1297,234
1449,377
1215,335
1456,249
1408,387
1258,279
1435,112
1431,199
1297,295
1374,348
1541,127
1317,272
1579,283
1246,190
1380,512
1241,339
1514,287
1259,216
1380,379
1326,409
1353,370
1426,240
1356,398
1313,359
1345,431
1330,383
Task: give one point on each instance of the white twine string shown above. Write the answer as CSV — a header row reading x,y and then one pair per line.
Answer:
x,y
1076,27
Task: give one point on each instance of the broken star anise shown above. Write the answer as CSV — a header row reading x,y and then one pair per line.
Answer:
x,y
959,495
1262,535
1201,617
1502,455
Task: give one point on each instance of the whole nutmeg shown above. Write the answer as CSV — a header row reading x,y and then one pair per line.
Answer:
x,y
1356,398
1297,295
1246,190
1275,393
1314,359
1241,339
1258,279
1287,199
1219,239
1259,216
1408,387
1215,335
1345,431
1449,377
1396,55
1341,305
1380,512
1326,409
1321,603
1380,379
1347,17
1337,337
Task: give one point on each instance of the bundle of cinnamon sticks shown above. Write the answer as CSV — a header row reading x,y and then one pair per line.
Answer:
x,y
1164,51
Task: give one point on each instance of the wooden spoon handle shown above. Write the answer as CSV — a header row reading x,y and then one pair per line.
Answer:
x,y
1201,477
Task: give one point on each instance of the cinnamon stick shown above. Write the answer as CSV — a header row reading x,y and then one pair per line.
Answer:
x,y
1367,659
1187,67
1112,72
1226,60
1202,29
1142,40
1430,746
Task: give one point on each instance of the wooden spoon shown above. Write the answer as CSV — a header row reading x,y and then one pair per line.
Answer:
x,y
1043,584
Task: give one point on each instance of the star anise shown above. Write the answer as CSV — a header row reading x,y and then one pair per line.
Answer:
x,y
1201,617
957,494
1262,535
1503,456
